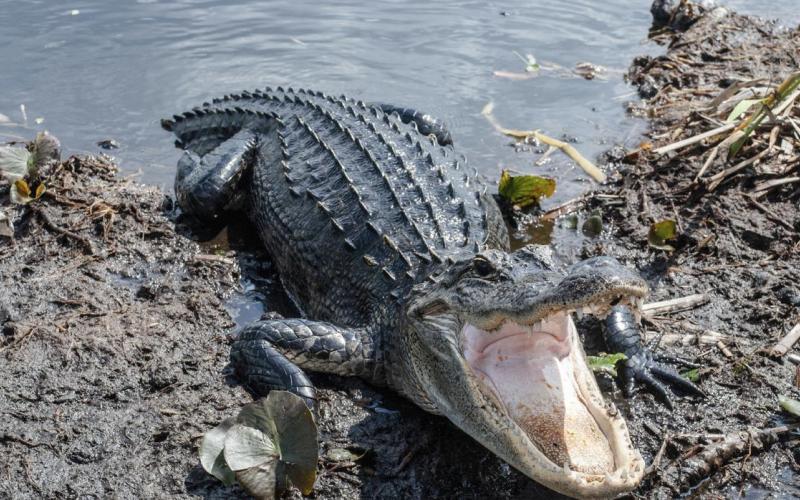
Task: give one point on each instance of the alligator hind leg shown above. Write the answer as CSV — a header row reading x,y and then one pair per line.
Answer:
x,y
271,355
208,186
622,335
426,124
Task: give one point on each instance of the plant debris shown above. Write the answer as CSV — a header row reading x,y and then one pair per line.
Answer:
x,y
605,363
660,233
524,190
789,405
269,446
736,256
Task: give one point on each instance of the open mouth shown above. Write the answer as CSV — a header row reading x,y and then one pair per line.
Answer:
x,y
538,373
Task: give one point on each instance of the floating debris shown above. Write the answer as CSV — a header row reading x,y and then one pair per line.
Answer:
x,y
589,167
108,144
525,190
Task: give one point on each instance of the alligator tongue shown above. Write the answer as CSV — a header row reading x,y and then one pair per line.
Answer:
x,y
532,373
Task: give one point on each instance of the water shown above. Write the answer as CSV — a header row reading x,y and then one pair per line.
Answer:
x,y
99,69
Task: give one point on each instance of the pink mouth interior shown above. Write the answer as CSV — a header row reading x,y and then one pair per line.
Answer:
x,y
531,371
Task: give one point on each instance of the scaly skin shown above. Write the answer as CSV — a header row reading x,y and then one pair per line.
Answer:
x,y
391,248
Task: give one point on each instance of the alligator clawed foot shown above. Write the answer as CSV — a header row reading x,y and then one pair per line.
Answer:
x,y
643,368
623,334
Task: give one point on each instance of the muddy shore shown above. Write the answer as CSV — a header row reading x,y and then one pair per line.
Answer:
x,y
115,322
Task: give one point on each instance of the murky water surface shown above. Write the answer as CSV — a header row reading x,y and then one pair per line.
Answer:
x,y
96,69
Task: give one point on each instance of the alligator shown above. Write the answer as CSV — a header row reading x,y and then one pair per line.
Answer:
x,y
399,261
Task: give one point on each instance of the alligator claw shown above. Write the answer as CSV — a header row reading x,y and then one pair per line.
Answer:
x,y
622,335
675,360
641,367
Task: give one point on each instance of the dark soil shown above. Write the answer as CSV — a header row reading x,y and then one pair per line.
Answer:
x,y
116,323
745,258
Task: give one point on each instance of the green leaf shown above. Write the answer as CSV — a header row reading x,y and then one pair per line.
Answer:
x,y
692,375
790,405
272,443
288,421
247,447
741,108
525,190
606,363
296,438
211,452
660,233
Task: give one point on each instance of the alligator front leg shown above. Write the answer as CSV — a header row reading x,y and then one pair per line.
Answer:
x,y
426,124
271,355
208,186
622,335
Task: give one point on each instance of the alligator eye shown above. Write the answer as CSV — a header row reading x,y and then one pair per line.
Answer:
x,y
482,267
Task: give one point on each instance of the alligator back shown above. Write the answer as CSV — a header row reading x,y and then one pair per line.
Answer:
x,y
354,206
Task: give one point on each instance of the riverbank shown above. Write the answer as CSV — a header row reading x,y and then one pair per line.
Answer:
x,y
116,323
738,240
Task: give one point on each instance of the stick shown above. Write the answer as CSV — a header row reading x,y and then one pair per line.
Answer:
x,y
49,224
202,257
570,151
769,213
565,208
709,458
672,305
717,179
711,157
694,140
767,185
786,343
724,349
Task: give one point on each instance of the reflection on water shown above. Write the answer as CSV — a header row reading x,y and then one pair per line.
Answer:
x,y
99,69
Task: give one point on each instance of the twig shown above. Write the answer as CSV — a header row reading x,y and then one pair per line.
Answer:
x,y
49,224
589,167
786,343
711,157
763,187
694,139
203,257
704,460
672,305
717,179
724,349
657,459
565,208
19,340
541,160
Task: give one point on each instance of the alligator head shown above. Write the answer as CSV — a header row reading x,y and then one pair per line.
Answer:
x,y
490,343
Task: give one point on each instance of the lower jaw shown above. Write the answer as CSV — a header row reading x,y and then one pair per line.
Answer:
x,y
559,408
